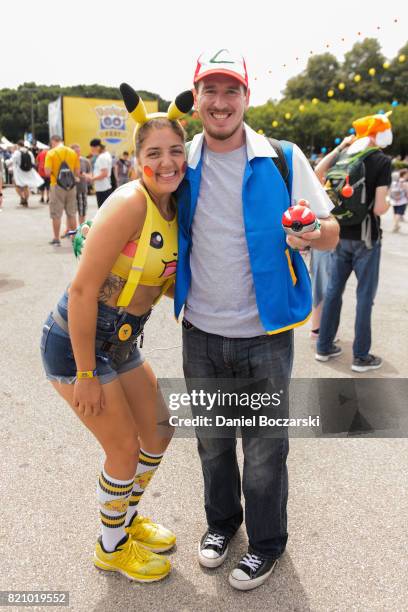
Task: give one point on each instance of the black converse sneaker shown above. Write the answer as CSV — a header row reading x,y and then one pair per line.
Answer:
x,y
367,363
213,549
251,572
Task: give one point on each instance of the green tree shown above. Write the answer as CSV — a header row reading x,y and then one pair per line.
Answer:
x,y
399,76
15,105
322,73
363,57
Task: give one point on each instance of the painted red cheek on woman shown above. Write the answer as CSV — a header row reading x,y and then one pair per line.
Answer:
x,y
148,171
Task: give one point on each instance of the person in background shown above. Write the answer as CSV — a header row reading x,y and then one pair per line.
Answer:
x,y
82,184
359,248
45,187
101,175
320,260
398,196
60,198
24,174
122,169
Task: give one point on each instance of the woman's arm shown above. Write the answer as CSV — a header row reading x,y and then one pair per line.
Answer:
x,y
111,230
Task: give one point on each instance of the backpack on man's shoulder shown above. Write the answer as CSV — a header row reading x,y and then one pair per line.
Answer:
x,y
26,163
65,176
349,170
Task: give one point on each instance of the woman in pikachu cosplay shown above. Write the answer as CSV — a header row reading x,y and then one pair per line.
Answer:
x,y
89,342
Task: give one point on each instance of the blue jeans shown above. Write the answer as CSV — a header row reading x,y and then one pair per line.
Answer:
x,y
112,355
351,255
265,478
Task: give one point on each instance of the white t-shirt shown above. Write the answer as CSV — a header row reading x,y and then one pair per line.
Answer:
x,y
104,160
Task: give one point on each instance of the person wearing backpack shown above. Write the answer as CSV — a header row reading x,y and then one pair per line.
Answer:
x,y
25,175
244,288
357,182
320,261
63,167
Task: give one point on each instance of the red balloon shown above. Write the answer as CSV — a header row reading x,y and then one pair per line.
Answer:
x,y
347,191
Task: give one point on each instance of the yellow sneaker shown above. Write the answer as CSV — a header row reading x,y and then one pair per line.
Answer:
x,y
131,560
150,535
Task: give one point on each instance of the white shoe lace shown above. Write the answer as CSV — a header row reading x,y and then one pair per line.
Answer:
x,y
252,561
214,539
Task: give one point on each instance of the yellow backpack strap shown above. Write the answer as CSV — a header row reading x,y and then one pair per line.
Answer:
x,y
140,257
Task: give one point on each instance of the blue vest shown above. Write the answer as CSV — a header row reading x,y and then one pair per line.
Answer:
x,y
281,280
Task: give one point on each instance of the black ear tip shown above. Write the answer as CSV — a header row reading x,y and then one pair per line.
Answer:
x,y
125,88
185,101
130,97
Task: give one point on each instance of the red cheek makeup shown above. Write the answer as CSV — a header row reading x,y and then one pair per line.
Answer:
x,y
148,171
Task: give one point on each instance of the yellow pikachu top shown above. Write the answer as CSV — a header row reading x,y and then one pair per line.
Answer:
x,y
161,253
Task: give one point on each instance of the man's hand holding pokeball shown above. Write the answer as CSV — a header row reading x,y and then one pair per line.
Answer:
x,y
301,226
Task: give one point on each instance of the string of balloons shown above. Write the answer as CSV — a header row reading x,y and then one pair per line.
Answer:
x,y
357,78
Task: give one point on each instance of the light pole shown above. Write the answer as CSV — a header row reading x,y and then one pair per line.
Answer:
x,y
31,90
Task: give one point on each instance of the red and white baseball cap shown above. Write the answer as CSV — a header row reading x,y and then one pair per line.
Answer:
x,y
221,61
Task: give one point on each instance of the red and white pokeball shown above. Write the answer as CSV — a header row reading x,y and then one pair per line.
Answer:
x,y
299,219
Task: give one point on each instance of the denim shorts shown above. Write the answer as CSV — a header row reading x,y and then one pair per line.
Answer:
x,y
113,355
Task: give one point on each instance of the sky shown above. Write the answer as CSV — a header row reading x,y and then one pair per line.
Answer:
x,y
154,45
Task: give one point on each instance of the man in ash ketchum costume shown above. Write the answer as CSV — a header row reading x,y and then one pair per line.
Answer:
x,y
244,288
359,247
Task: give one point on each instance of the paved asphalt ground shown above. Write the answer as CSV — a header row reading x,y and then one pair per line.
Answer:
x,y
348,508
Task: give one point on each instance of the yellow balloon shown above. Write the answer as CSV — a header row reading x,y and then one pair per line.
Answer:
x,y
402,58
330,93
342,86
275,123
371,72
386,65
315,101
357,78
260,131
287,115
302,108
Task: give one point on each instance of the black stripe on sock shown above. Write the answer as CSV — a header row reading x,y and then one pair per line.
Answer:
x,y
116,493
113,484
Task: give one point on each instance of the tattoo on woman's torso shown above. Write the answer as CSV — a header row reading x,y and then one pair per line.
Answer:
x,y
112,286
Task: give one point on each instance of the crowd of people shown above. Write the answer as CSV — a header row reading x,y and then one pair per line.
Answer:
x,y
212,212
25,168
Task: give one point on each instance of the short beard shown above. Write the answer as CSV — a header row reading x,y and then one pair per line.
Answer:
x,y
225,135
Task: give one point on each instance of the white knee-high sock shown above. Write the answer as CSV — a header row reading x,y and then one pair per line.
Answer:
x,y
148,464
113,497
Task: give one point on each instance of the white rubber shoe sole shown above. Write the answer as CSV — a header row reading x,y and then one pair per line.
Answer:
x,y
325,358
211,563
360,369
247,585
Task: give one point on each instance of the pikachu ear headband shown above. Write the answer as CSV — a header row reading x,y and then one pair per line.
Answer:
x,y
134,105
